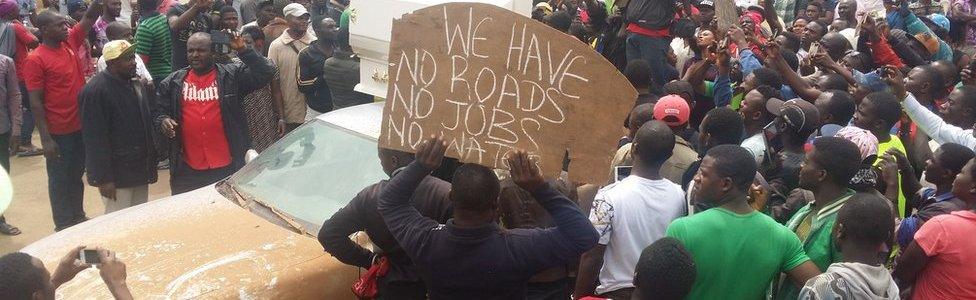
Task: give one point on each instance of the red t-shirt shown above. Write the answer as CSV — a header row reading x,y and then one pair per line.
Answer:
x,y
56,71
205,144
951,270
24,38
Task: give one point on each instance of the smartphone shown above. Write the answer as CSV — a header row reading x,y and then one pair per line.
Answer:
x,y
621,172
221,42
814,48
89,256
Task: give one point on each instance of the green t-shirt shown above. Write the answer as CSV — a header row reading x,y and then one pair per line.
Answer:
x,y
819,243
736,256
153,40
344,18
895,143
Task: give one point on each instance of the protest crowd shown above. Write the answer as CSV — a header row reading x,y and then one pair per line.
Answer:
x,y
776,149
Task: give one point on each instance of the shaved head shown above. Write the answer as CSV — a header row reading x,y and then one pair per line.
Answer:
x,y
836,45
653,144
199,37
118,31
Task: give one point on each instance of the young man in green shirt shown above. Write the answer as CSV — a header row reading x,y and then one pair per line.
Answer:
x,y
826,171
738,251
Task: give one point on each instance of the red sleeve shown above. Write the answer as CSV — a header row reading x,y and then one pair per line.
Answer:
x,y
33,73
76,36
931,237
23,35
884,55
760,55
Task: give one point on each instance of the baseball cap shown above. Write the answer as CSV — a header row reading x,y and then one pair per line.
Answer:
x,y
870,80
117,48
708,3
798,114
545,7
672,110
294,10
930,42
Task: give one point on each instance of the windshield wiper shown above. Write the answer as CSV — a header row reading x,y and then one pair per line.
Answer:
x,y
261,209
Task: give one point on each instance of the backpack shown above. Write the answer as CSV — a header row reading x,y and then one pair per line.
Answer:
x,y
651,14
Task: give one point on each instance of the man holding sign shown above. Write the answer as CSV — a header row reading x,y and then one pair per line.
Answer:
x,y
469,257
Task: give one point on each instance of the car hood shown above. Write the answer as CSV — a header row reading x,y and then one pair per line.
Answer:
x,y
198,244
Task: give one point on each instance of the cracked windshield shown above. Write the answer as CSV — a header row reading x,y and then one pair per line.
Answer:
x,y
312,172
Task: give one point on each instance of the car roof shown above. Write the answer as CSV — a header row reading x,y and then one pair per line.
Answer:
x,y
364,119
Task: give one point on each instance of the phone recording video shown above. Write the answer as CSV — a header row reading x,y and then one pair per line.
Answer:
x,y
89,256
621,172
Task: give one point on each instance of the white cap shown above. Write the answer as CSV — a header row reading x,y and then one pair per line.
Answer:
x,y
294,10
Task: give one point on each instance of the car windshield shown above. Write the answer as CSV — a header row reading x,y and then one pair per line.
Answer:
x,y
312,172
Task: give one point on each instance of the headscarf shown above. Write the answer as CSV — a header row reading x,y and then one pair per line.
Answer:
x,y
7,6
867,145
866,142
757,20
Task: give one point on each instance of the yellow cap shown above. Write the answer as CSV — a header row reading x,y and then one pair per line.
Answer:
x,y
116,49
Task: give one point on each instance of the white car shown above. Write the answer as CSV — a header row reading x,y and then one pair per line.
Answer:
x,y
249,236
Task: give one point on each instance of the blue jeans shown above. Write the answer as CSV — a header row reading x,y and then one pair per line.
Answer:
x,y
27,127
654,50
64,185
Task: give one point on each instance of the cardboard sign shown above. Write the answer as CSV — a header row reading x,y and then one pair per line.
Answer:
x,y
727,14
492,81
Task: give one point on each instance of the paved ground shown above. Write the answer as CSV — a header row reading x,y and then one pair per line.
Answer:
x,y
31,208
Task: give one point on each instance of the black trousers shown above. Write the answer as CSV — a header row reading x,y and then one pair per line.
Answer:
x,y
184,179
405,290
64,184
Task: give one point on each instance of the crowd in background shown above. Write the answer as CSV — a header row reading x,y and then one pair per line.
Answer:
x,y
797,150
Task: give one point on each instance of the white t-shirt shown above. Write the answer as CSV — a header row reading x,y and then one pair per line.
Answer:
x,y
630,215
756,145
141,70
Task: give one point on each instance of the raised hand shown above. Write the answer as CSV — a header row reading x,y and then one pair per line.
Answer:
x,y
524,173
431,152
895,80
237,42
967,76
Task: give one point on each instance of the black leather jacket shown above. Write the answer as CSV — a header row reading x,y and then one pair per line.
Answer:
x,y
234,81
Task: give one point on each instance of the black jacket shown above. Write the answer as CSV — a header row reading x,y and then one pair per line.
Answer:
x,y
118,132
484,262
310,80
361,214
234,81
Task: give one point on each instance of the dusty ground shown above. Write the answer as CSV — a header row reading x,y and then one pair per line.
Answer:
x,y
31,207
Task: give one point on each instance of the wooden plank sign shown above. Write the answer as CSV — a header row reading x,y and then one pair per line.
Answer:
x,y
727,15
492,81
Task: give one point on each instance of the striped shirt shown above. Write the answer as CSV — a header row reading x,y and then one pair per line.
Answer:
x,y
153,40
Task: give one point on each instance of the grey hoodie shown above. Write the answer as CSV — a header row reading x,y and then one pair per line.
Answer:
x,y
851,281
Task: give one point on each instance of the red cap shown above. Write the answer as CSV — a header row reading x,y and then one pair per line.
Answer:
x,y
672,110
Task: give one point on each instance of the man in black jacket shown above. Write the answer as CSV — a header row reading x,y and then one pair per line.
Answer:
x,y
361,214
117,130
310,63
471,257
200,109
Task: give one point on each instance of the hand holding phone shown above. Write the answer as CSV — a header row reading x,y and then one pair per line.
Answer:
x,y
89,256
892,76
